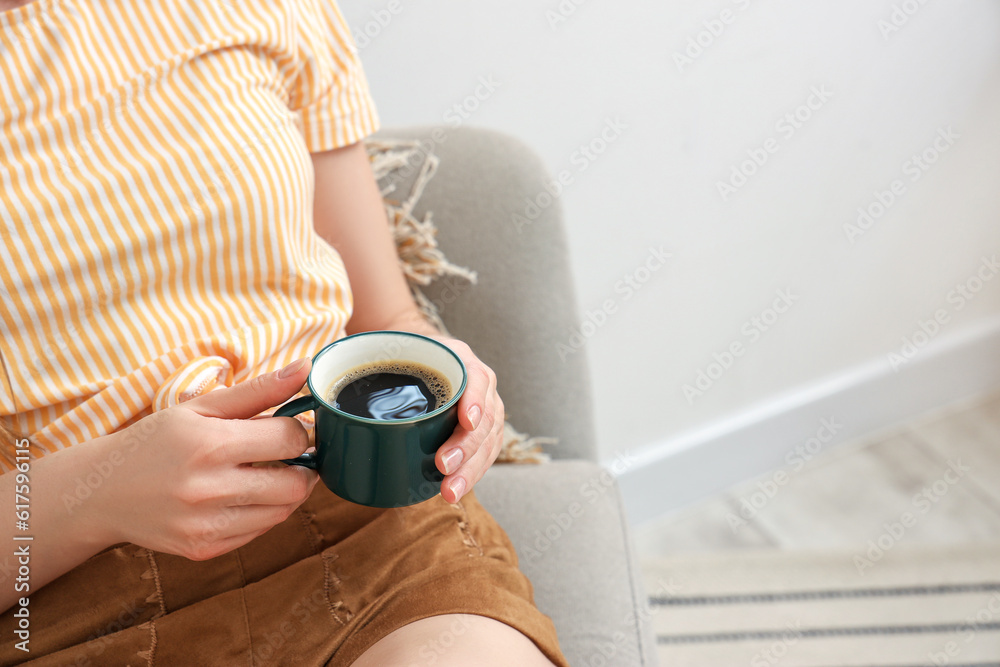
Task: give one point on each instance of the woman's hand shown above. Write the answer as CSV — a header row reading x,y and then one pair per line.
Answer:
x,y
183,480
477,439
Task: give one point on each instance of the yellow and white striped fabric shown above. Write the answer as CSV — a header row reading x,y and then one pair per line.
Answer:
x,y
156,201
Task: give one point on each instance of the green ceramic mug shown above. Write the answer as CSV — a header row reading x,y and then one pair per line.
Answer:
x,y
373,462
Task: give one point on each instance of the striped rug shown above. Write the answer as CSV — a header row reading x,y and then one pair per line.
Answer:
x,y
902,607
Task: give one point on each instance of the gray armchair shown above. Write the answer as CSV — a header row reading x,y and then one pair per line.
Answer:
x,y
565,517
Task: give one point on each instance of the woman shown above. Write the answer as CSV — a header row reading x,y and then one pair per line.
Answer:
x,y
188,215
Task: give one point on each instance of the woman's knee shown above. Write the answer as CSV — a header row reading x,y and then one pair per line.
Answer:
x,y
454,639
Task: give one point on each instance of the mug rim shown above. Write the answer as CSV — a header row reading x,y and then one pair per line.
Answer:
x,y
389,422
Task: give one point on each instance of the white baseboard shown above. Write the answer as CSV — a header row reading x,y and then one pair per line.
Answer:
x,y
682,470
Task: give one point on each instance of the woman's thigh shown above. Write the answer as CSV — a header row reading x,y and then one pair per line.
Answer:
x,y
454,639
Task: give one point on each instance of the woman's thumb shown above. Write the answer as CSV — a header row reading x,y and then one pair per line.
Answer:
x,y
250,398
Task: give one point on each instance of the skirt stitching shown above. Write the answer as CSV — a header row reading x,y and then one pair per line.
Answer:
x,y
330,579
463,525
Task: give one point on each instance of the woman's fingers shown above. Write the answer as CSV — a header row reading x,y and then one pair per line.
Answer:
x,y
463,443
486,453
203,549
256,440
477,441
480,387
285,485
465,458
246,399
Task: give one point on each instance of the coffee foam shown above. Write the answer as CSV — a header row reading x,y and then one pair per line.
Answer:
x,y
435,381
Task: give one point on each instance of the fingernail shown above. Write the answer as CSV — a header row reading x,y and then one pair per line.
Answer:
x,y
474,414
452,459
292,368
458,488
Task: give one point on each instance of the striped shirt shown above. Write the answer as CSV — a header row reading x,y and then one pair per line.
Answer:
x,y
156,196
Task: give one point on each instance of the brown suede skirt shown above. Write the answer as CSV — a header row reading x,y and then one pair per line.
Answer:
x,y
318,589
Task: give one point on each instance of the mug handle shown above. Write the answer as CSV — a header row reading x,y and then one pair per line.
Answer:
x,y
290,409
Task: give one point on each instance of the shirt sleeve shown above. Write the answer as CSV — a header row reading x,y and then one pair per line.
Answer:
x,y
329,92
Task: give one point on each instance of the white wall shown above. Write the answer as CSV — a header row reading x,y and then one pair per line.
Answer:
x,y
890,93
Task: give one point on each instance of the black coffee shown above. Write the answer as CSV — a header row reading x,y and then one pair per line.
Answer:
x,y
390,390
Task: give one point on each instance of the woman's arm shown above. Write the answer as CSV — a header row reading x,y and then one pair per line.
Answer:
x,y
62,538
349,214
